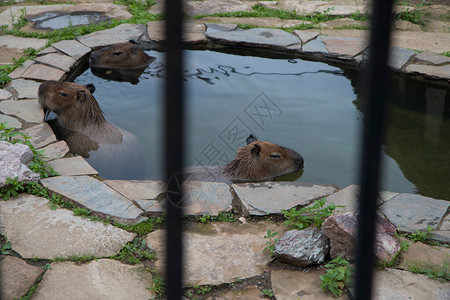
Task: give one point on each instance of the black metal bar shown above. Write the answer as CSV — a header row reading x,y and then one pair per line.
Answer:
x,y
374,116
174,145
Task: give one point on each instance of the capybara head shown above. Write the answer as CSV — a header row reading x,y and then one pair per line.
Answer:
x,y
72,102
120,56
260,160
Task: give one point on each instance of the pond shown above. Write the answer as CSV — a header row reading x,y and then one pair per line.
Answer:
x,y
60,20
311,107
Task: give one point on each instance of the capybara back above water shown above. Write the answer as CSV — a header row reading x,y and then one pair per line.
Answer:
x,y
257,161
120,56
112,151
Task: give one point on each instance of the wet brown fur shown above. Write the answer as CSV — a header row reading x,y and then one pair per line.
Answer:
x,y
271,161
121,55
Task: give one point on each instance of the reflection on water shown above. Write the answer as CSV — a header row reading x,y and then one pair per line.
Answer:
x,y
311,107
58,20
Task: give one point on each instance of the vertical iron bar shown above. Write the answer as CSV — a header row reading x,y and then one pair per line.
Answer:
x,y
374,114
174,142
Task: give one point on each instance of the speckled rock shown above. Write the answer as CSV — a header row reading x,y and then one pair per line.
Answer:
x,y
35,230
302,247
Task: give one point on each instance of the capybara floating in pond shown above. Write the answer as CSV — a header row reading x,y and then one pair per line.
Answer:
x,y
257,161
112,151
120,62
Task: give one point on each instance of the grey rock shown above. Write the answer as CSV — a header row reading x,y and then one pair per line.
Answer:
x,y
422,212
266,22
206,198
432,58
20,43
72,166
440,72
303,284
11,122
12,163
137,189
218,253
345,47
193,32
405,25
72,48
35,230
443,232
49,50
316,45
399,57
28,110
342,231
255,37
17,73
55,150
151,207
272,197
247,293
206,6
425,257
5,95
120,34
94,195
402,285
41,135
25,88
17,277
60,61
302,247
214,27
98,279
42,73
306,36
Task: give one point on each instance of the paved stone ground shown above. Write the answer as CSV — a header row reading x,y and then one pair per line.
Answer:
x,y
228,256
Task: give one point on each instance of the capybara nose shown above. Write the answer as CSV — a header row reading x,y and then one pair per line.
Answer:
x,y
298,159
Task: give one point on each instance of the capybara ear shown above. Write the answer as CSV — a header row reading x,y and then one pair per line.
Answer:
x,y
81,96
251,138
132,41
256,150
90,87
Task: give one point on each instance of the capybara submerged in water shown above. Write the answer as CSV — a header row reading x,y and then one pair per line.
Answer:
x,y
120,56
257,161
112,151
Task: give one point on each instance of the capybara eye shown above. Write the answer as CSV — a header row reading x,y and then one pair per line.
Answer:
x,y
62,94
275,155
118,53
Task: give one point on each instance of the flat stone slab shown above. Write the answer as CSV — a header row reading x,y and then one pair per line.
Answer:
x,y
397,284
5,95
55,150
120,34
41,135
432,71
35,230
17,73
137,189
305,285
42,72
257,21
17,277
255,37
12,122
25,88
20,43
28,110
193,32
306,36
206,198
60,61
94,195
72,48
426,257
272,197
432,58
218,252
345,47
206,6
72,166
214,27
422,212
97,279
247,293
443,234
399,57
316,45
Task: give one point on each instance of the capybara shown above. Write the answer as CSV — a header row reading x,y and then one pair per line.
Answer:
x,y
257,161
112,151
120,56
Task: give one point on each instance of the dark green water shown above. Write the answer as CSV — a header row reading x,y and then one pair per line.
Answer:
x,y
310,107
